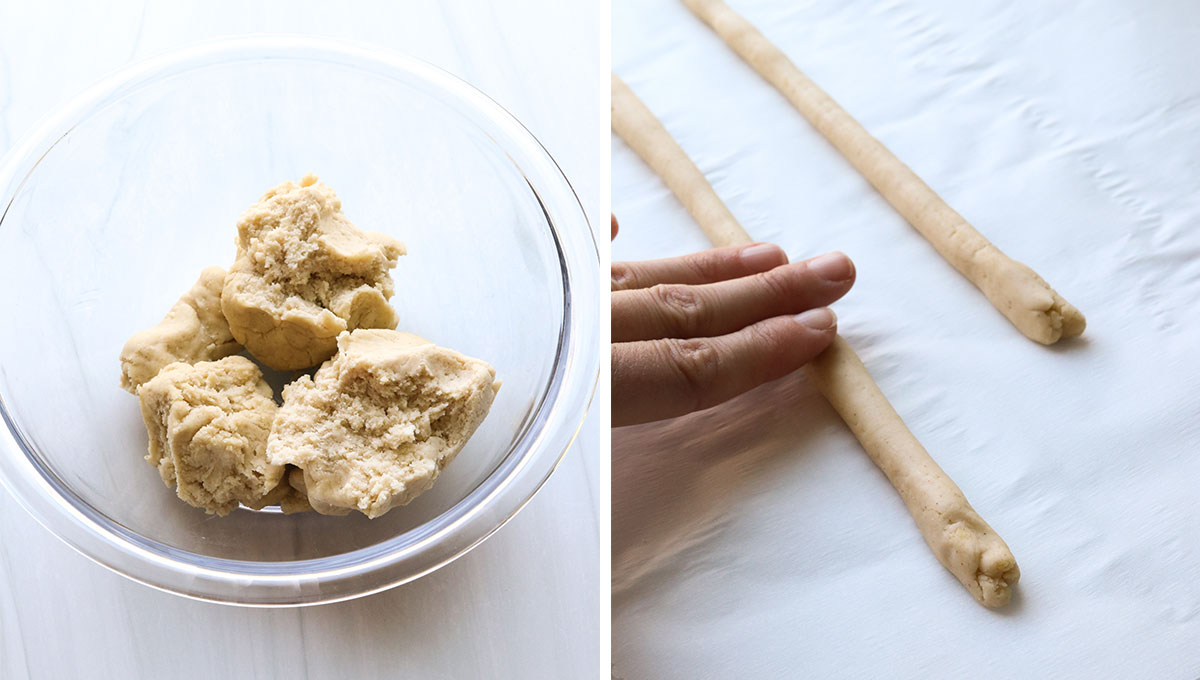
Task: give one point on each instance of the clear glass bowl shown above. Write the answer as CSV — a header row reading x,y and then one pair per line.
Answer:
x,y
112,208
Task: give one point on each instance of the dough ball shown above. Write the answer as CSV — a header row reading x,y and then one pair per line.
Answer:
x,y
375,425
304,274
208,425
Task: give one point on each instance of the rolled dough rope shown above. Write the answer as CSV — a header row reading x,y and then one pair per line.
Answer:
x,y
637,126
1013,288
958,536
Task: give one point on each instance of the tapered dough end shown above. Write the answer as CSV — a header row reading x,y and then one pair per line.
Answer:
x,y
979,559
1047,325
1060,321
1073,322
1036,309
998,573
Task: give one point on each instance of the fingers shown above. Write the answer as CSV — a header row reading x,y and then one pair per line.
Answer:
x,y
666,378
615,228
706,266
686,311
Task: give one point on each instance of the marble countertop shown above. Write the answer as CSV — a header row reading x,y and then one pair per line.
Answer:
x,y
526,603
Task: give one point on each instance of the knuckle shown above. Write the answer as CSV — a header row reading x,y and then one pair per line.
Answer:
x,y
770,337
698,365
623,276
682,308
776,283
707,265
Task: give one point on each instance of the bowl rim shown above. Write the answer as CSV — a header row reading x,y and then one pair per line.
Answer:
x,y
548,434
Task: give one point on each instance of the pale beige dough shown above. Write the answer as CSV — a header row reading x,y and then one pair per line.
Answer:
x,y
956,534
290,498
378,422
645,135
1039,312
193,330
208,425
304,274
960,539
296,480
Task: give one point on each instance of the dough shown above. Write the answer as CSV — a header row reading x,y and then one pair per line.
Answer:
x,y
1016,290
290,498
193,330
645,135
208,424
956,534
296,480
304,274
376,424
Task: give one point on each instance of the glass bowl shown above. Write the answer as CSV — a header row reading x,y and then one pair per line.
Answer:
x,y
111,209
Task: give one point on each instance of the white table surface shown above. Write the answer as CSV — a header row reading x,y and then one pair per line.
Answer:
x,y
526,603
757,540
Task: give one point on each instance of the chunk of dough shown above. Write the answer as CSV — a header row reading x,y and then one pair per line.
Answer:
x,y
376,424
194,330
208,425
304,274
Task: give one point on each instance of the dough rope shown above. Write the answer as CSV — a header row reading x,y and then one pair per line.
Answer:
x,y
642,131
1039,312
956,534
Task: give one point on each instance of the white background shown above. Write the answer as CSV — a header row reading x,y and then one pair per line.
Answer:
x,y
525,604
757,540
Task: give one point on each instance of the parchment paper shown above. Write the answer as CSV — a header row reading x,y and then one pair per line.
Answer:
x,y
757,539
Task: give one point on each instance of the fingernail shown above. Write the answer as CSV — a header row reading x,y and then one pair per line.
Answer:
x,y
835,267
763,256
820,319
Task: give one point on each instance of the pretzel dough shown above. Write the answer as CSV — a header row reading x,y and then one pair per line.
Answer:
x,y
956,534
642,131
208,424
304,274
193,330
376,424
1016,290
289,497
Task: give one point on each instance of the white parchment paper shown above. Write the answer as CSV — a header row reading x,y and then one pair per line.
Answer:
x,y
757,539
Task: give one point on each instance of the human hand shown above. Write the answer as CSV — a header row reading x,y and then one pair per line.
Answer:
x,y
694,331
